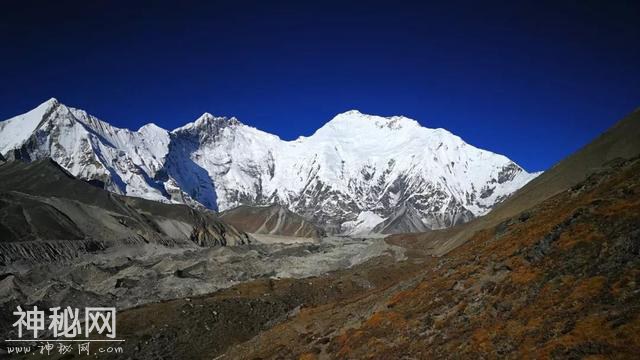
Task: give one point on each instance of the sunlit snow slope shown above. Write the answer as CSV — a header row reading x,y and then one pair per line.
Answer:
x,y
356,173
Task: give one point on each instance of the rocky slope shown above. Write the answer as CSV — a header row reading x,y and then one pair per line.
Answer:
x,y
352,174
273,220
48,215
559,281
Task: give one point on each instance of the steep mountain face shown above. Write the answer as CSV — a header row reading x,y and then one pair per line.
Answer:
x,y
272,220
121,160
354,173
353,166
405,220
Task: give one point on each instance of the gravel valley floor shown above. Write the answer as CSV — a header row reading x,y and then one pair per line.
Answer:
x,y
127,277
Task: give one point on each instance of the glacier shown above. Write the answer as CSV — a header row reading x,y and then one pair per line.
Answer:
x,y
356,173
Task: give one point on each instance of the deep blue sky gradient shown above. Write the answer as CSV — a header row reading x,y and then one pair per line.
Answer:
x,y
529,79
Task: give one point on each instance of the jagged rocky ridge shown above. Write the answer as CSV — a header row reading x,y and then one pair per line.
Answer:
x,y
356,173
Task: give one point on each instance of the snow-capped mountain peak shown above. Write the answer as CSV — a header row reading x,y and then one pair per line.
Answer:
x,y
16,130
150,127
355,172
51,102
208,122
356,120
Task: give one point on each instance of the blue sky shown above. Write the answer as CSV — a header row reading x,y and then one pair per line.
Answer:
x,y
533,80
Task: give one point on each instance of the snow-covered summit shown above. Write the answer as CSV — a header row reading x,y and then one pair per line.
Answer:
x,y
355,172
208,121
123,160
15,130
354,120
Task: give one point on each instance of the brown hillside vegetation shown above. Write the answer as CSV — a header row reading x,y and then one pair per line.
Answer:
x,y
557,281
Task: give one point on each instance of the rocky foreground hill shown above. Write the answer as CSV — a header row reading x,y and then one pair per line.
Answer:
x,y
48,215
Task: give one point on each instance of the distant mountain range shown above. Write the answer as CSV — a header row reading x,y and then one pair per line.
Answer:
x,y
356,174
